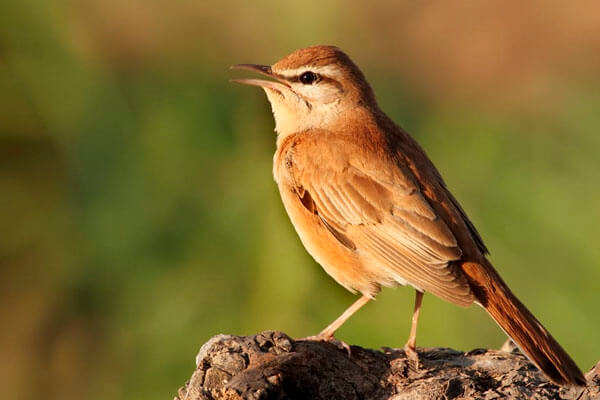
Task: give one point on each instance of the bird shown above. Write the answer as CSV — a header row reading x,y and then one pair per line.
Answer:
x,y
372,209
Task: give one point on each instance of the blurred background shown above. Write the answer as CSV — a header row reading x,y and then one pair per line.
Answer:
x,y
138,209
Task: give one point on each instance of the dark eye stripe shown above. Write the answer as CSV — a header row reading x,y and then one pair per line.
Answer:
x,y
296,78
331,81
320,78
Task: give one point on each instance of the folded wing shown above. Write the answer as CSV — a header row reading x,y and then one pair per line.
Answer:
x,y
389,223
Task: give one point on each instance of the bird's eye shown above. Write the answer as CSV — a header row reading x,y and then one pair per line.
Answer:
x,y
308,78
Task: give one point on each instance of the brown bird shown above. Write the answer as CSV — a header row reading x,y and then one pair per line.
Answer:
x,y
373,210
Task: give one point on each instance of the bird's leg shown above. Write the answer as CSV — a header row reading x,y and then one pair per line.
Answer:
x,y
334,326
327,333
410,348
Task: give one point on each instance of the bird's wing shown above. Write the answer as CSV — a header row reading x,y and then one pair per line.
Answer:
x,y
383,216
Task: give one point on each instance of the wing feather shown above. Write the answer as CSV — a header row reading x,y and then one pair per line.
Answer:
x,y
391,225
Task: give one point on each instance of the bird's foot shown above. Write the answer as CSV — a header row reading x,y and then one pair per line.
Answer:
x,y
330,339
412,355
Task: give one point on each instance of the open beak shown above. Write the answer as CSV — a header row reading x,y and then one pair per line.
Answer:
x,y
276,85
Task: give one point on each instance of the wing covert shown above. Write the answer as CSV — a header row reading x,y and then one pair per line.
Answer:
x,y
391,225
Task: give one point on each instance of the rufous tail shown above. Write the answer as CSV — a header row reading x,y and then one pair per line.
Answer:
x,y
523,328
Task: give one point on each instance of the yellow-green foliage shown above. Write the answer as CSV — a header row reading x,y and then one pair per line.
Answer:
x,y
138,212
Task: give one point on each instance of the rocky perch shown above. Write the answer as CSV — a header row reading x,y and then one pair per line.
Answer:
x,y
271,365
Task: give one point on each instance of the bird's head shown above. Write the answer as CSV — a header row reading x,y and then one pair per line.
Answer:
x,y
314,87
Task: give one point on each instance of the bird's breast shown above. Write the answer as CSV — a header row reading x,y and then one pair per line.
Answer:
x,y
342,263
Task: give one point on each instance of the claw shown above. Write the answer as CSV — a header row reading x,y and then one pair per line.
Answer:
x,y
412,355
340,344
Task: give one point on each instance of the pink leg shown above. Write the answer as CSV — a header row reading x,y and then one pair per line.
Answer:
x,y
410,348
328,332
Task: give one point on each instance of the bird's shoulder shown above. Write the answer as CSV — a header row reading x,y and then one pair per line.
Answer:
x,y
326,154
376,154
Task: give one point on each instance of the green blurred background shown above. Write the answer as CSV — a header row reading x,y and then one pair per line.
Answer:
x,y
138,209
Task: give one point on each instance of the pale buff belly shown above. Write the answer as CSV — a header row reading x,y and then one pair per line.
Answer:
x,y
348,267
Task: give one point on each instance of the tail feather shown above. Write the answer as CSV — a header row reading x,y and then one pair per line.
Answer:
x,y
523,328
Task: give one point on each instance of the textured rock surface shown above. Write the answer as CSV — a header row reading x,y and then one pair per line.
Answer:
x,y
271,365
